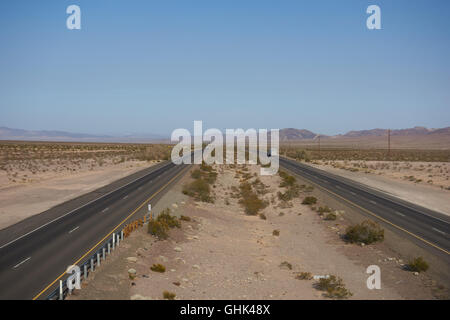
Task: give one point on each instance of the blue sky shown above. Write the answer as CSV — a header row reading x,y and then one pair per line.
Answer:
x,y
153,66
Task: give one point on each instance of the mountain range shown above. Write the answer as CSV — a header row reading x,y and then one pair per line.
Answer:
x,y
45,135
291,134
287,134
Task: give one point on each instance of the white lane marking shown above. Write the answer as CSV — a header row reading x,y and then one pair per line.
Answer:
x,y
353,193
371,201
17,265
126,197
104,210
338,187
441,232
84,205
140,188
400,214
73,229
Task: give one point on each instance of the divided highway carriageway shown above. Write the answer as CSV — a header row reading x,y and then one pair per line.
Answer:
x,y
35,253
429,228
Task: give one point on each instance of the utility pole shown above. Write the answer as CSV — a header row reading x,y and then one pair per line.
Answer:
x,y
319,145
389,142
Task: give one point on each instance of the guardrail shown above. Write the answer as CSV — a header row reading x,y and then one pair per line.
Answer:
x,y
94,261
90,264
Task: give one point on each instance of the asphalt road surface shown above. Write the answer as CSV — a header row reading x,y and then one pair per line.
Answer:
x,y
429,228
36,251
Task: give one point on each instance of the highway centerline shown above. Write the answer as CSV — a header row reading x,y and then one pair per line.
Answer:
x,y
437,230
400,214
20,263
74,229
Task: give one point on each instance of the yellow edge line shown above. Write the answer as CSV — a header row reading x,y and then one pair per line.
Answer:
x,y
129,216
377,216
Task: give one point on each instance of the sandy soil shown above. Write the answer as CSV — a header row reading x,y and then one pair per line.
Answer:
x,y
48,188
225,254
424,183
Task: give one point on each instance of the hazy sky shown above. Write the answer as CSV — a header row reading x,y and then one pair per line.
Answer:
x,y
153,66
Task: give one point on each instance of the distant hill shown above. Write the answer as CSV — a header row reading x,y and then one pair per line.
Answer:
x,y
417,137
443,131
395,132
44,135
291,134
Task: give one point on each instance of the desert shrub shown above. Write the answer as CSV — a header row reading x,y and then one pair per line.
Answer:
x,y
198,189
304,276
334,288
262,216
286,265
196,174
331,216
291,193
169,295
158,229
276,232
295,153
160,226
324,209
417,265
206,167
366,232
259,187
170,221
207,173
287,180
249,199
158,268
309,200
185,218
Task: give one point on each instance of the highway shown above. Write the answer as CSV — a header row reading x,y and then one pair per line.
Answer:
x,y
35,253
429,228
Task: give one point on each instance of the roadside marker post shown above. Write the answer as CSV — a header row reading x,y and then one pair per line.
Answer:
x,y
98,259
92,265
60,290
118,239
114,241
104,254
109,248
121,235
85,272
149,213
